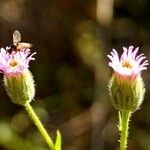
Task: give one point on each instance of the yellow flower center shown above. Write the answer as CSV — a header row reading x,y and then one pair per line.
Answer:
x,y
13,63
127,64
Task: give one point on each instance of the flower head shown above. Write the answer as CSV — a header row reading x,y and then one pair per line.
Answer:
x,y
126,87
15,63
129,64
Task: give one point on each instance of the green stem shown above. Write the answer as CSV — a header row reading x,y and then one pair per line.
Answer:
x,y
125,116
39,125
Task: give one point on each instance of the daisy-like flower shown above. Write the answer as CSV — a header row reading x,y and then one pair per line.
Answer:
x,y
129,64
126,86
18,80
15,63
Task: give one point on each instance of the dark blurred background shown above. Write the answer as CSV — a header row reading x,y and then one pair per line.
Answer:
x,y
72,39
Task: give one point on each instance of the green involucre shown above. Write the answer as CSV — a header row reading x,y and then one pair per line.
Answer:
x,y
126,94
20,88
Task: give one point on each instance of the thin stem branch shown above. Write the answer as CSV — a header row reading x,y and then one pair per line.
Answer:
x,y
39,125
125,117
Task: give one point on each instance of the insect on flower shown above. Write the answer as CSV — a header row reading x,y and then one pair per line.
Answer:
x,y
17,44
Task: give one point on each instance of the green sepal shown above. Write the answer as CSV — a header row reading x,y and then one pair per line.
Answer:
x,y
120,121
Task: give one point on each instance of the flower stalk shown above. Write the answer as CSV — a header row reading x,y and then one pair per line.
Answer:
x,y
125,118
39,125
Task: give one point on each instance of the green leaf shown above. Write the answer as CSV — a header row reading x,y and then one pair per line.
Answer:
x,y
58,141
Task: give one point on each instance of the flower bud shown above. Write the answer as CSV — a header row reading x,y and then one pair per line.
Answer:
x,y
20,87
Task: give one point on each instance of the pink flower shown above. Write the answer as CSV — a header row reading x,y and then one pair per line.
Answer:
x,y
129,64
15,63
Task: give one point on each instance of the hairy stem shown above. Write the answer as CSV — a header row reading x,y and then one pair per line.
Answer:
x,y
125,116
39,125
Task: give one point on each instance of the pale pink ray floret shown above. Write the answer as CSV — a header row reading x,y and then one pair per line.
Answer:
x,y
129,64
15,63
